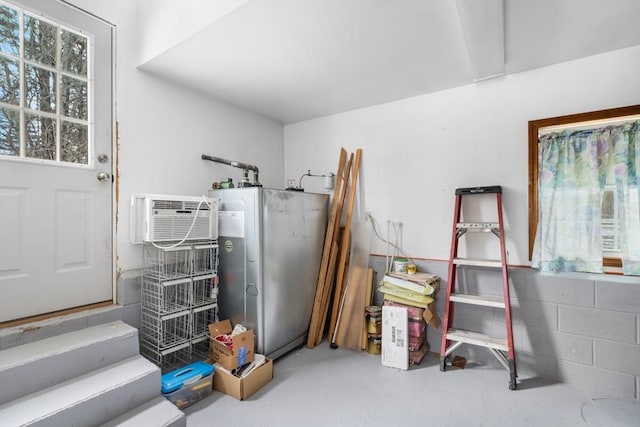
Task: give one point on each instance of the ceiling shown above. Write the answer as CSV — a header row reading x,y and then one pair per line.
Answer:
x,y
293,60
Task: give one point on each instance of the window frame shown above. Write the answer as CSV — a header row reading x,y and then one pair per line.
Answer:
x,y
568,120
22,109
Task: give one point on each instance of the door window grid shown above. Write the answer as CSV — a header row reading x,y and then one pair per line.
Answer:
x,y
45,116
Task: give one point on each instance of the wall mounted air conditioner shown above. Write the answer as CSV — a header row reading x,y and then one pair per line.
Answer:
x,y
164,218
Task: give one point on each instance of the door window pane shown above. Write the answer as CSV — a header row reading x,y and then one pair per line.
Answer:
x,y
40,137
9,132
74,53
73,142
9,31
74,98
40,88
39,41
9,81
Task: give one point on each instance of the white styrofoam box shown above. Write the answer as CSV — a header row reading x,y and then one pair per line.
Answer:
x,y
395,337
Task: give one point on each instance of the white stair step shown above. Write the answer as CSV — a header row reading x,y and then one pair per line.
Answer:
x,y
158,412
47,328
38,365
478,339
478,262
486,301
89,400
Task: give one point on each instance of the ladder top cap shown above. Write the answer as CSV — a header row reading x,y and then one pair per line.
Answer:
x,y
479,190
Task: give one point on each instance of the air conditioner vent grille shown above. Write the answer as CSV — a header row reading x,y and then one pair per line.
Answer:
x,y
158,218
180,205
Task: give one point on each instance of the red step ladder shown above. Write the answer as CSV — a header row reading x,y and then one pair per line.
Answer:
x,y
454,338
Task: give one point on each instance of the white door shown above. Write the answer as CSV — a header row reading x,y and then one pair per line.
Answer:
x,y
56,125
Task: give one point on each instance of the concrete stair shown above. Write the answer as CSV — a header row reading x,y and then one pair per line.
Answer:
x,y
88,377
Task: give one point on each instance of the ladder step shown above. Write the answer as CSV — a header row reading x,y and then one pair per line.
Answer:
x,y
478,262
477,226
487,301
479,190
478,339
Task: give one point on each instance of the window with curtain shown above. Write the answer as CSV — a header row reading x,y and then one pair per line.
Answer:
x,y
586,208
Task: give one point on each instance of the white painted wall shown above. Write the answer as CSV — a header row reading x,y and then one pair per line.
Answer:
x,y
162,24
164,129
417,151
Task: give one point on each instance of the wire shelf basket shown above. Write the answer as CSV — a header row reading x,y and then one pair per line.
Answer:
x,y
167,359
205,290
167,330
200,348
201,317
205,259
167,262
167,296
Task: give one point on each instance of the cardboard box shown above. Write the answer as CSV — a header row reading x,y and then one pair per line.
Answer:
x,y
431,317
395,337
242,388
427,313
240,353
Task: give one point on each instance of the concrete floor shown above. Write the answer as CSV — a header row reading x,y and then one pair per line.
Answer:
x,y
327,387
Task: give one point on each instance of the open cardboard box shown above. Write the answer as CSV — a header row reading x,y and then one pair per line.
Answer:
x,y
242,388
431,317
242,346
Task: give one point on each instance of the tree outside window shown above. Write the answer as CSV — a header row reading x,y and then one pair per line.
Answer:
x,y
44,89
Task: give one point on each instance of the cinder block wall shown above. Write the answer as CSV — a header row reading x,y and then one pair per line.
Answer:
x,y
579,329
129,297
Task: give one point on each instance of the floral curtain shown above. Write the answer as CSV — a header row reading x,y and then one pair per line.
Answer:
x,y
625,142
572,174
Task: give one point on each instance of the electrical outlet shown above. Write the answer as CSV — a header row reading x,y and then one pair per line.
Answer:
x,y
291,183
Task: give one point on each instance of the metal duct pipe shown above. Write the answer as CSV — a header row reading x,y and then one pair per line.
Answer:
x,y
244,166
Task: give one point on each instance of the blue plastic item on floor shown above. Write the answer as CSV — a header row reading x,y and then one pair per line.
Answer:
x,y
187,375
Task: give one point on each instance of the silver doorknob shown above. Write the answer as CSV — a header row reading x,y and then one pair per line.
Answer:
x,y
103,176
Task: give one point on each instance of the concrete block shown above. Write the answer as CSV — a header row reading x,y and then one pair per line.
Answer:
x,y
561,290
598,382
519,279
482,325
131,314
475,312
618,296
472,280
532,313
129,289
439,268
558,345
519,334
597,323
617,356
529,364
